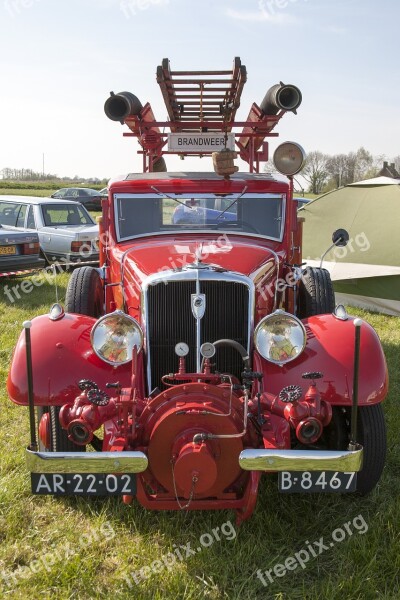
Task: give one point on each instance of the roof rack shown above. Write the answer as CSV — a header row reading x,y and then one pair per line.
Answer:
x,y
201,108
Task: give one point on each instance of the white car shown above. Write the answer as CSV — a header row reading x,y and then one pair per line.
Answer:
x,y
67,232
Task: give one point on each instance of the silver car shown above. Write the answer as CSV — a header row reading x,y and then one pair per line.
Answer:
x,y
67,232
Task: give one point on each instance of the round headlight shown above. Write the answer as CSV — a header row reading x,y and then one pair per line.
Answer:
x,y
280,337
114,336
289,158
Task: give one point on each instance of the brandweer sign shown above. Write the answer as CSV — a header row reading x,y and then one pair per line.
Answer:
x,y
200,142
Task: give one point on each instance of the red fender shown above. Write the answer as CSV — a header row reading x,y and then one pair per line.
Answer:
x,y
61,355
330,350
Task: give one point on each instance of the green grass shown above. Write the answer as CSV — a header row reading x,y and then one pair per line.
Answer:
x,y
26,192
42,189
89,564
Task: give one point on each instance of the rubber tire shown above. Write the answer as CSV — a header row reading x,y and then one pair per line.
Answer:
x,y
316,295
371,434
85,293
371,429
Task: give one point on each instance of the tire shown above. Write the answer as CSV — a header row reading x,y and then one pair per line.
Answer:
x,y
85,293
371,429
371,434
59,441
316,295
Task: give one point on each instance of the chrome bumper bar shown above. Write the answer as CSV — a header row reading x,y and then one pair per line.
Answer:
x,y
86,462
342,461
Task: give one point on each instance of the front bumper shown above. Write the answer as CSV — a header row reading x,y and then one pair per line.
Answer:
x,y
342,461
86,462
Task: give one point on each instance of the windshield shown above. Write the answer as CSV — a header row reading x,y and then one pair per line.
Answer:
x,y
256,214
55,215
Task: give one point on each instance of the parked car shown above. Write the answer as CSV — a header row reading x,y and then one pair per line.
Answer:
x,y
19,251
65,229
91,199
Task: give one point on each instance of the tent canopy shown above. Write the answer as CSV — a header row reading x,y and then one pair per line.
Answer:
x,y
370,264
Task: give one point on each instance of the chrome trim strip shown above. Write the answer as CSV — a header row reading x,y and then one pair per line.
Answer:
x,y
198,328
198,275
86,462
342,461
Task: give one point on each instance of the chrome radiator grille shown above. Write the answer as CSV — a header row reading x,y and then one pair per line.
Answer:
x,y
169,320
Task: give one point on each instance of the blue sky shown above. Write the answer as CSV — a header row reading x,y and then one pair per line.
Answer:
x,y
60,59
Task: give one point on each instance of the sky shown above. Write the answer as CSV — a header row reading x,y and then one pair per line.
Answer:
x,y
61,58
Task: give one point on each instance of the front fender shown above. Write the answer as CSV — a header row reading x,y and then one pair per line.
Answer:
x,y
330,350
61,355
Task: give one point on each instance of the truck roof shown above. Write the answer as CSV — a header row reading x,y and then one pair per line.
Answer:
x,y
192,175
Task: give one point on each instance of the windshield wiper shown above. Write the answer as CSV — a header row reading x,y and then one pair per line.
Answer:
x,y
234,202
164,195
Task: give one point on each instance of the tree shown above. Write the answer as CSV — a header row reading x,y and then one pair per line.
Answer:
x,y
336,166
348,168
315,171
363,163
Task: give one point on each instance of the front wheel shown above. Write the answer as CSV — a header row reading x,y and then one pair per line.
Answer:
x,y
85,293
371,434
316,295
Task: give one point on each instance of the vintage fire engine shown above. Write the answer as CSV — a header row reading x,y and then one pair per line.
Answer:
x,y
202,354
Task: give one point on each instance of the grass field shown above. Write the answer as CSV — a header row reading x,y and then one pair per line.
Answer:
x,y
77,548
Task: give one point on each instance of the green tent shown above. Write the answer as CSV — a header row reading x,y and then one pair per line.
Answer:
x,y
367,272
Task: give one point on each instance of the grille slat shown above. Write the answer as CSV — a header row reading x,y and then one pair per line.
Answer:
x,y
170,320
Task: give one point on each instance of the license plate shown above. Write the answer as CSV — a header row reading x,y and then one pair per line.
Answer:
x,y
87,484
316,481
8,250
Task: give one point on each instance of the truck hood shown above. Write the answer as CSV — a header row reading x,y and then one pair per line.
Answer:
x,y
232,253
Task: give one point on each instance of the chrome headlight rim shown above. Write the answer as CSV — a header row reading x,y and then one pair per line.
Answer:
x,y
128,318
282,315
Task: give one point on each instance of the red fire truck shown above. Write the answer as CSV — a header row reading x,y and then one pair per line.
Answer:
x,y
201,354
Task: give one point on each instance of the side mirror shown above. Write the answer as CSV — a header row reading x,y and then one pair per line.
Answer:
x,y
340,237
